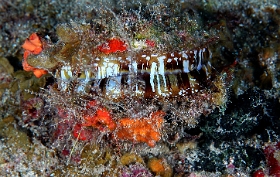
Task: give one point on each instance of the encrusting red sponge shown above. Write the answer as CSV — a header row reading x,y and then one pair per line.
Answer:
x,y
272,157
82,133
112,46
101,120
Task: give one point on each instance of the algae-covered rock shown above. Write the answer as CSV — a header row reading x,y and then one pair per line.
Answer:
x,y
20,155
129,158
66,34
185,146
13,136
6,70
26,81
100,161
5,66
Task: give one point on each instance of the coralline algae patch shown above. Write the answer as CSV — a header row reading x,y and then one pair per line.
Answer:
x,y
117,90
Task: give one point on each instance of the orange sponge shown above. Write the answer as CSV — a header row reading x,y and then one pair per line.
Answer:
x,y
33,45
141,130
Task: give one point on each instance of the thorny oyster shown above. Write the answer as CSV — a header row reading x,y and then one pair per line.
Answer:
x,y
126,82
